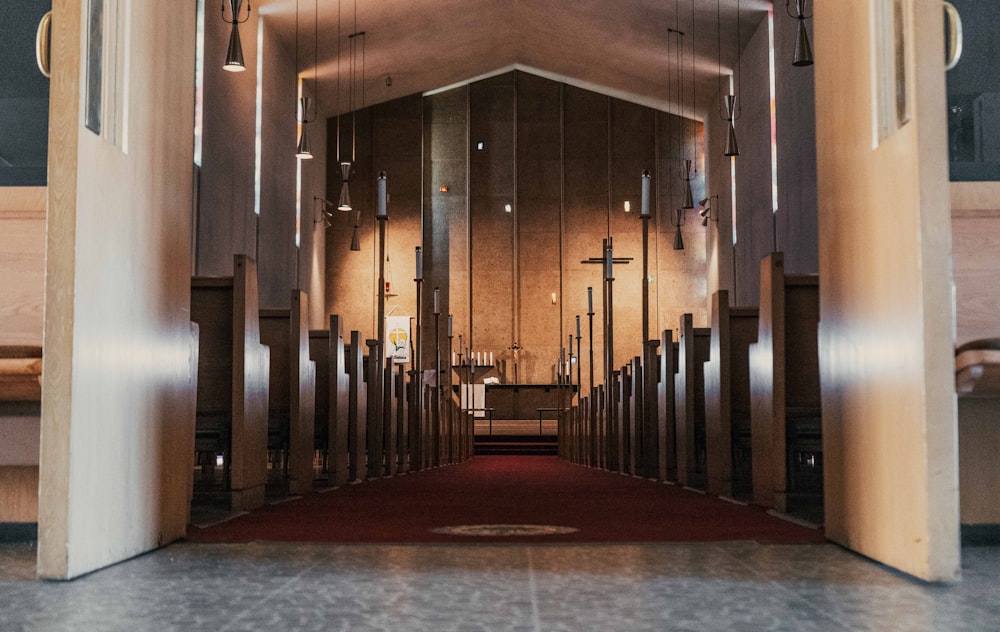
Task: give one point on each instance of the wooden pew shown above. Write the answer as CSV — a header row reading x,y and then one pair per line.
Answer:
x,y
666,427
357,410
291,405
689,392
649,453
786,425
327,349
977,381
22,303
233,372
727,397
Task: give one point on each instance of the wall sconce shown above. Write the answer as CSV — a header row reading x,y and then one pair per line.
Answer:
x,y
628,206
803,51
234,54
324,215
554,298
706,211
679,220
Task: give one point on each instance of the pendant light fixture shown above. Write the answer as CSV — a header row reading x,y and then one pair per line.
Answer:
x,y
803,51
302,148
234,52
679,218
733,108
346,166
688,177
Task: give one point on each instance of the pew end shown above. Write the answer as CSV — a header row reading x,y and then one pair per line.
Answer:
x,y
977,383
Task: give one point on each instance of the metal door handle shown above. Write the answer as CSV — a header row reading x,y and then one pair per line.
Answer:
x,y
42,44
954,53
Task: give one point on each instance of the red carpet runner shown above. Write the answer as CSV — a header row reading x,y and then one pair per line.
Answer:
x,y
604,507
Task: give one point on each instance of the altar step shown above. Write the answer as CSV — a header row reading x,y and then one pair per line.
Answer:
x,y
524,445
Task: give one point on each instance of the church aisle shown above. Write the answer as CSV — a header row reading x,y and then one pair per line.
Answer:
x,y
593,505
497,588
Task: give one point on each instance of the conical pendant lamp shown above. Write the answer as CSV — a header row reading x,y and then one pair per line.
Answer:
x,y
803,50
678,240
302,148
344,204
688,179
234,52
732,148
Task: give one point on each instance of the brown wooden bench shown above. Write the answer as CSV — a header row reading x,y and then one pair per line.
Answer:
x,y
689,391
327,350
977,382
666,413
20,374
786,424
233,370
727,397
292,394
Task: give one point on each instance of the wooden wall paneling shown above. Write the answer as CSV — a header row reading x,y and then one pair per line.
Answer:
x,y
22,265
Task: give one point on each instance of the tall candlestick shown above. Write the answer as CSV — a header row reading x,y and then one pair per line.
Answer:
x,y
590,300
420,264
437,301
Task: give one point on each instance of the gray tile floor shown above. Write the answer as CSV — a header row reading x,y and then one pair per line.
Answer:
x,y
465,588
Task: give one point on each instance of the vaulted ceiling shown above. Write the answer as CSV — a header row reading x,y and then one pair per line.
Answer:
x,y
619,47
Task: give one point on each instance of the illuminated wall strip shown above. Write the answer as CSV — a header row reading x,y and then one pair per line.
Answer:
x,y
258,117
774,117
298,178
732,176
199,81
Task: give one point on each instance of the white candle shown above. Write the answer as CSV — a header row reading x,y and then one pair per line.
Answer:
x,y
491,358
453,363
381,212
644,212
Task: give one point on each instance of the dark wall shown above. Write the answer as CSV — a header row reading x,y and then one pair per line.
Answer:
x,y
24,98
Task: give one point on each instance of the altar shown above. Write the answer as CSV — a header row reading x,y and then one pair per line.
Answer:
x,y
519,401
